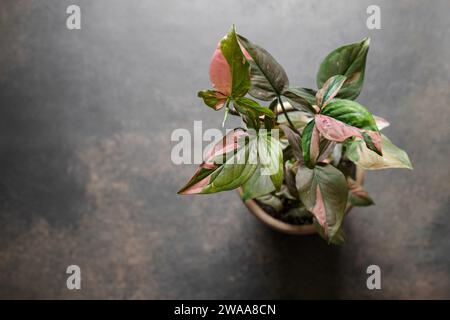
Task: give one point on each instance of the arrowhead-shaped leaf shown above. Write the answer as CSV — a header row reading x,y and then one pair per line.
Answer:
x,y
393,156
212,98
336,130
329,90
229,73
254,107
381,122
349,61
305,98
355,115
323,190
226,166
351,113
267,76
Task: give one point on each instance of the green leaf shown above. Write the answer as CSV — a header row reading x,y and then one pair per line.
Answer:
x,y
267,76
310,144
355,115
329,90
349,61
393,156
303,97
200,175
236,170
351,113
254,106
258,185
323,190
229,164
239,67
212,98
270,155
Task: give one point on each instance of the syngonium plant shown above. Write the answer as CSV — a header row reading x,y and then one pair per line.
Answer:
x,y
308,172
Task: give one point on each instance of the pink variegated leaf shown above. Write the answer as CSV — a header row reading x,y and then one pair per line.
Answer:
x,y
338,131
212,98
229,143
381,122
220,73
319,210
214,159
323,190
335,130
197,182
314,148
373,141
329,90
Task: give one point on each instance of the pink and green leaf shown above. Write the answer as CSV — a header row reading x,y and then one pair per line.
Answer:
x,y
229,72
393,156
329,90
355,115
238,66
323,190
335,130
213,161
212,98
310,144
381,122
349,61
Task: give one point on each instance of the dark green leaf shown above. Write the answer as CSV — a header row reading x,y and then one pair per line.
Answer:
x,y
268,77
310,144
303,97
252,105
349,61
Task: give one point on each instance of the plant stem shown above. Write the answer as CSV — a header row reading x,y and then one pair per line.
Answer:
x,y
286,115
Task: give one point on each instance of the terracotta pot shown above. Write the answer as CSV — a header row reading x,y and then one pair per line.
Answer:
x,y
288,228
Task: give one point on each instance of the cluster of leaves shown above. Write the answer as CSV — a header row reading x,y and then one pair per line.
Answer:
x,y
309,170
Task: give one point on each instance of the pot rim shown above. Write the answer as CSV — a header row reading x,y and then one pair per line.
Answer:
x,y
288,228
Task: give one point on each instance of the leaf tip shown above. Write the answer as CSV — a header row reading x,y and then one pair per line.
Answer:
x,y
366,41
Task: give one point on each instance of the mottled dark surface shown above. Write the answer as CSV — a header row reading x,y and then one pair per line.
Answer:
x,y
85,170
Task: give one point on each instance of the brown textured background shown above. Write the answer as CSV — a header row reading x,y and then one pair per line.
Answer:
x,y
85,171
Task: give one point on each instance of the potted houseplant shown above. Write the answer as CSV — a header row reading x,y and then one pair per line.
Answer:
x,y
298,162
